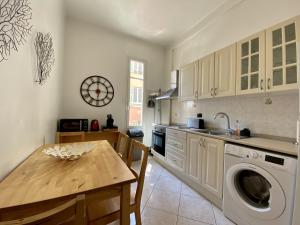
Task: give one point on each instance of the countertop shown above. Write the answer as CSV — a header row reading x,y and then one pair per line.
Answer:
x,y
284,147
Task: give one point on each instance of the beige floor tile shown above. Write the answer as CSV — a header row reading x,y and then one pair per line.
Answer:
x,y
147,190
185,221
196,208
152,216
186,190
164,200
167,183
220,218
166,173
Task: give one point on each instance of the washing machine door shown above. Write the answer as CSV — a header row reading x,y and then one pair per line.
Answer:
x,y
256,191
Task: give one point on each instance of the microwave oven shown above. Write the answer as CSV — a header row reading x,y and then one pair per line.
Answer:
x,y
72,125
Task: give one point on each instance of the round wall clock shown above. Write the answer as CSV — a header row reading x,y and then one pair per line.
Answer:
x,y
97,91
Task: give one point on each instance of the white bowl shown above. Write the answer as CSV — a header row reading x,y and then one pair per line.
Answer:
x,y
69,152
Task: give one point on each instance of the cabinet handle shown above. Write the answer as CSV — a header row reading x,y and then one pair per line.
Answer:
x,y
261,84
196,94
203,144
211,92
269,83
215,91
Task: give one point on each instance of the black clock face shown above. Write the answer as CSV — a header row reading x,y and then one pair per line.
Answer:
x,y
97,91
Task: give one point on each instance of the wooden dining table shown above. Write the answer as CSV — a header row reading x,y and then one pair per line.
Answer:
x,y
42,178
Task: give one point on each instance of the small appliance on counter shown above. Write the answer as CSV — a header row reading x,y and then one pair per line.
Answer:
x,y
94,125
72,125
109,123
196,122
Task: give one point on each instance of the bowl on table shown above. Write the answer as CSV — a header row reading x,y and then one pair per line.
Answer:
x,y
70,151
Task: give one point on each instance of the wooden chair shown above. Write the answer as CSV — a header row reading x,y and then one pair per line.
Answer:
x,y
106,211
122,147
71,212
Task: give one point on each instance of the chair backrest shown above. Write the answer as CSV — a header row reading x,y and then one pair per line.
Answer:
x,y
122,147
73,210
138,146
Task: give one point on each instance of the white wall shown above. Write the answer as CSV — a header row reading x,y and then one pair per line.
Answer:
x,y
28,111
91,50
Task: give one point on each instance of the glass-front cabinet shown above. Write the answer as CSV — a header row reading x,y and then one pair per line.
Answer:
x,y
282,54
251,65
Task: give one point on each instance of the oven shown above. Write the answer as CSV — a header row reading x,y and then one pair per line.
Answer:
x,y
159,139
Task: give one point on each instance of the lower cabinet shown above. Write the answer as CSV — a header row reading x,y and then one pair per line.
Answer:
x,y
199,160
212,165
176,149
194,158
205,161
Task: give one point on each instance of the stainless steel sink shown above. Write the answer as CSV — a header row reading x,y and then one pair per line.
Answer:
x,y
223,133
217,132
210,131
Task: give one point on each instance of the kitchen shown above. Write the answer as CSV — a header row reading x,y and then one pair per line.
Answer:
x,y
222,54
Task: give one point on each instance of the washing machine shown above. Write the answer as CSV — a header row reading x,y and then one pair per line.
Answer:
x,y
259,186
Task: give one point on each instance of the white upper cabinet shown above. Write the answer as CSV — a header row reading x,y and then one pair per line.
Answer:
x,y
250,76
264,62
206,77
281,55
225,71
188,81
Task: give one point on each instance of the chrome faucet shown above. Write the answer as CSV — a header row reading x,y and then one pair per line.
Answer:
x,y
224,115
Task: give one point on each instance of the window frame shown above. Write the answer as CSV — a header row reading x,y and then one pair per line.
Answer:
x,y
128,90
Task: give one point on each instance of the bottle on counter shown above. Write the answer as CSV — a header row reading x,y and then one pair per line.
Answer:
x,y
237,128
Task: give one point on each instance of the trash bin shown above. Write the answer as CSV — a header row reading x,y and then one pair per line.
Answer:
x,y
136,134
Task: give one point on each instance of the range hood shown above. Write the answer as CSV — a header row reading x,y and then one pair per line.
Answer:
x,y
173,92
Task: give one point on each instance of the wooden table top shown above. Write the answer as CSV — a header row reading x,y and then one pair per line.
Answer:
x,y
41,177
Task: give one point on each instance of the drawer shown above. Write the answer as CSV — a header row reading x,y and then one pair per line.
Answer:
x,y
179,151
176,161
179,144
177,133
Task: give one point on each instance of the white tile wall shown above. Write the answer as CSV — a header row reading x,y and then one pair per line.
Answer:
x,y
278,119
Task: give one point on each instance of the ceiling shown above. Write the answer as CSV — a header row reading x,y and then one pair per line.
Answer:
x,y
159,21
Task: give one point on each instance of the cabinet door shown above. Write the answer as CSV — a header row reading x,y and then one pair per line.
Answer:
x,y
206,77
225,69
251,64
212,166
188,81
194,157
282,55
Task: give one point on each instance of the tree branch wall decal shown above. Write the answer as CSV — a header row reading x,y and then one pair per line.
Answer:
x,y
15,16
45,56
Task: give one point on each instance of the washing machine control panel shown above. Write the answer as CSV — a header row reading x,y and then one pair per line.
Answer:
x,y
272,159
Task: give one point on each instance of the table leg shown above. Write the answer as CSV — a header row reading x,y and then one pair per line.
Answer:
x,y
125,205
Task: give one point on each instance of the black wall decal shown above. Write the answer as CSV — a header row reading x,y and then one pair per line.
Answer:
x,y
15,16
45,56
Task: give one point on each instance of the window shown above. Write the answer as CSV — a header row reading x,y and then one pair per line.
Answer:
x,y
136,82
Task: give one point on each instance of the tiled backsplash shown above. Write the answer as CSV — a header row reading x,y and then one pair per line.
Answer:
x,y
278,118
